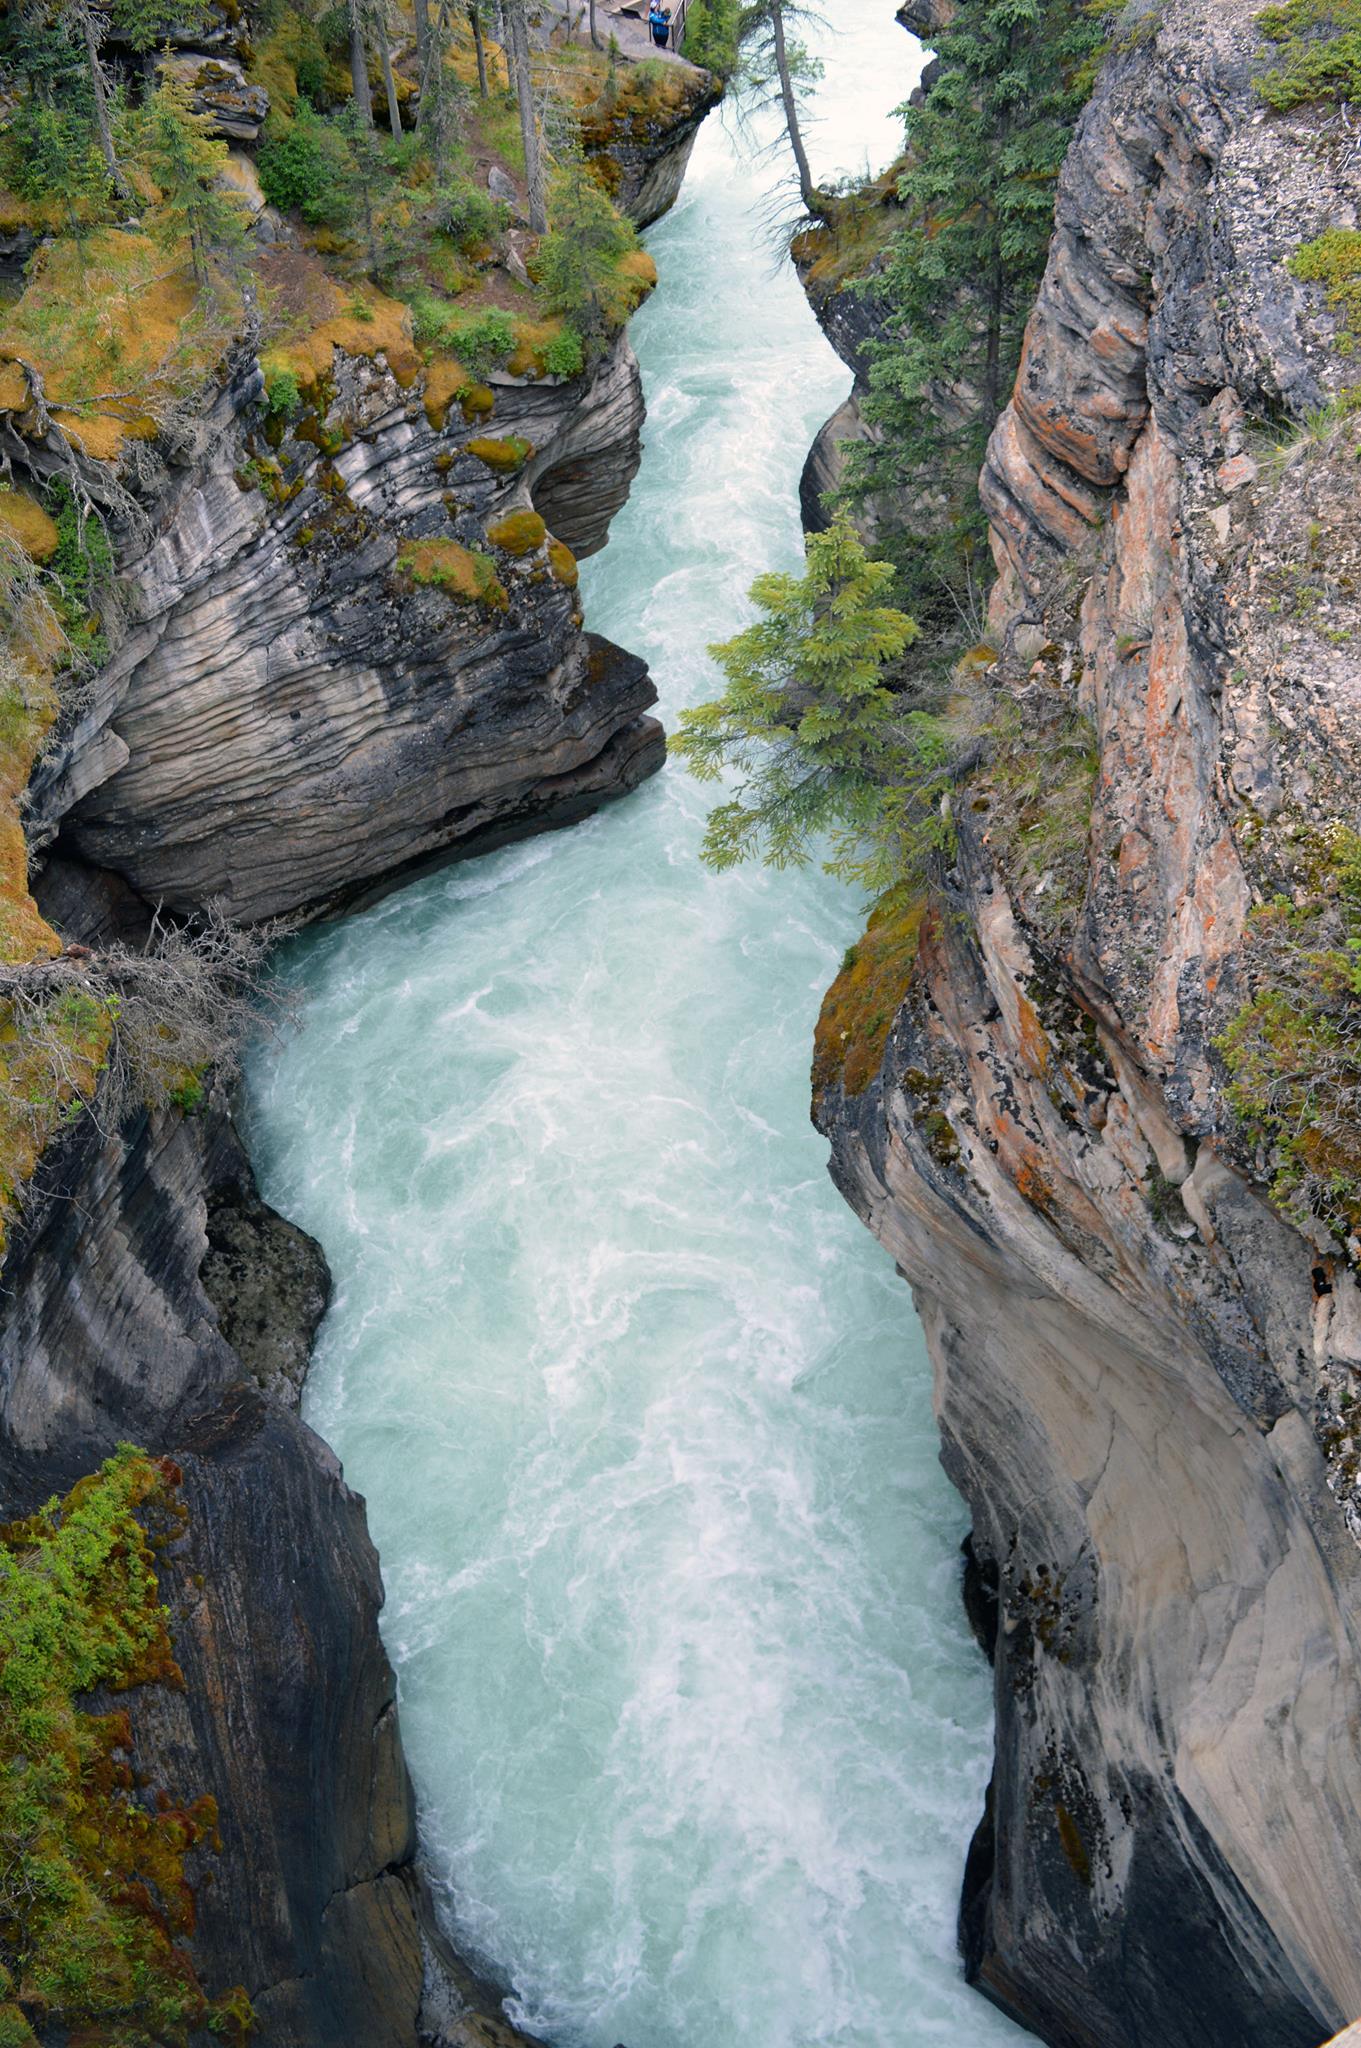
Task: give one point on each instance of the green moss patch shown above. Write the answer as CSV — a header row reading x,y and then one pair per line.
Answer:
x,y
460,572
1333,259
1293,1048
1319,53
519,533
93,1895
861,1004
563,563
504,456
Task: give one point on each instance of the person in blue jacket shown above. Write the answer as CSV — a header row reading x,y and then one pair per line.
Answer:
x,y
659,21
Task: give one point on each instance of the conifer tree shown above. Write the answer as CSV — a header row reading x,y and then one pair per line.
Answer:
x,y
517,37
186,163
578,261
983,156
817,738
777,68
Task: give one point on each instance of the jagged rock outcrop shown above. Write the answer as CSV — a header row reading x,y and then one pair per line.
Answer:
x,y
643,151
1145,1375
293,714
118,1301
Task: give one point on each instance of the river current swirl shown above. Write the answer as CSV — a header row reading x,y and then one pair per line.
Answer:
x,y
641,1412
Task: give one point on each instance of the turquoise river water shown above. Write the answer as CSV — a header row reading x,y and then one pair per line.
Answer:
x,y
641,1412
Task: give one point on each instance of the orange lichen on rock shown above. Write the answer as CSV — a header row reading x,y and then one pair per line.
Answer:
x,y
861,1004
563,563
519,533
458,571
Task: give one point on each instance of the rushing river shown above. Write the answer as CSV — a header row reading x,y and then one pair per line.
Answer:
x,y
641,1411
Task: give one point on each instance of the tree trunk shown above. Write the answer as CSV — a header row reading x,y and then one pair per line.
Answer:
x,y
100,93
359,65
518,36
595,39
808,191
389,82
475,17
422,12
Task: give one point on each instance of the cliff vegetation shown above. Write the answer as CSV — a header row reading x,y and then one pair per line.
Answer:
x,y
94,1898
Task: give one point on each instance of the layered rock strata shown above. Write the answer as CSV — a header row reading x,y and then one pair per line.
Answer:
x,y
1145,1375
293,712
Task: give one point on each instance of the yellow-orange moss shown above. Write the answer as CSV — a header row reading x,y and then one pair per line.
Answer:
x,y
563,563
532,339
445,380
861,1004
111,340
382,328
502,455
519,533
458,571
15,395
24,519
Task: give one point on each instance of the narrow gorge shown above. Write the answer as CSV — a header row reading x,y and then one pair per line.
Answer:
x,y
370,507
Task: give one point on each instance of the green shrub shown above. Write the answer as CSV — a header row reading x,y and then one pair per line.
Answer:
x,y
564,355
81,573
1334,259
304,167
480,337
467,212
1320,45
283,393
93,1895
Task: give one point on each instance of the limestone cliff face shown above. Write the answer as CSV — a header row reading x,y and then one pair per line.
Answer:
x,y
1144,1374
292,715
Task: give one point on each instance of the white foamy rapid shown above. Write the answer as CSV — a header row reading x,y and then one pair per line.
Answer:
x,y
642,1413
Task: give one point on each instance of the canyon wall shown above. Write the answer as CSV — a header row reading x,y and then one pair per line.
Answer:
x,y
1146,1374
350,643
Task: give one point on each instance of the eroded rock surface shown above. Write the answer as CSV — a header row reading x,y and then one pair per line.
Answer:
x,y
1144,1373
120,1298
293,714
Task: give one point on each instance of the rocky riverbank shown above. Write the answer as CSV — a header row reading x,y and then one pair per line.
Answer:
x,y
1145,1369
349,642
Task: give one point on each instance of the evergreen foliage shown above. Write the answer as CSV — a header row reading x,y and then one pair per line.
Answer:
x,y
93,1897
711,28
983,155
302,167
819,741
579,257
186,163
1319,52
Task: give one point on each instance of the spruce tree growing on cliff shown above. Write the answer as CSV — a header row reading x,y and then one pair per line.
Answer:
x,y
778,69
983,156
818,740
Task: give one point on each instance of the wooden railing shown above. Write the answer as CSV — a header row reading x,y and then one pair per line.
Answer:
x,y
678,24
